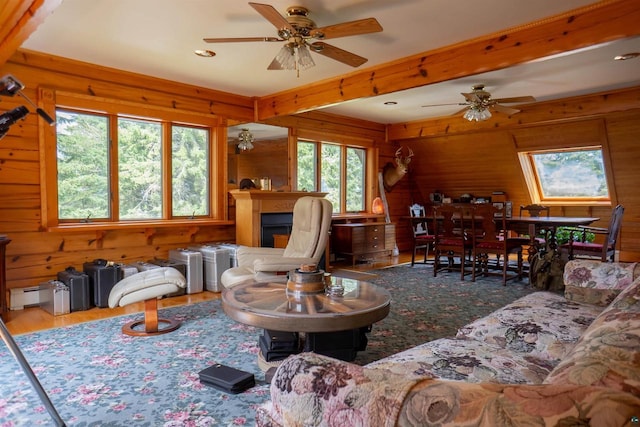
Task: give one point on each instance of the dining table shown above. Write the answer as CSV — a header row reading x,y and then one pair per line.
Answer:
x,y
550,250
532,224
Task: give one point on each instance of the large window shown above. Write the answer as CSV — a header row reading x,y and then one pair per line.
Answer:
x,y
576,175
339,170
112,167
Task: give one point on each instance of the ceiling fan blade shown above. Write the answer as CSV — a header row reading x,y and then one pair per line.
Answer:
x,y
352,28
338,54
504,109
516,99
272,15
241,39
472,97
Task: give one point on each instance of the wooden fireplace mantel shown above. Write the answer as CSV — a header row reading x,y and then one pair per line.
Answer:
x,y
251,204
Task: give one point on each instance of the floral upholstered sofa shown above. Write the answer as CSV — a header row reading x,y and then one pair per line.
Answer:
x,y
545,359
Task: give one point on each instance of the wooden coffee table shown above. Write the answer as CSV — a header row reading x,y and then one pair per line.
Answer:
x,y
269,305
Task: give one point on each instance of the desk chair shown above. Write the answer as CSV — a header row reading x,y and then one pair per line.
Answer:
x,y
419,227
606,250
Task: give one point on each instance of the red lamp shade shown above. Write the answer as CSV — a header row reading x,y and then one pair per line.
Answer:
x,y
377,207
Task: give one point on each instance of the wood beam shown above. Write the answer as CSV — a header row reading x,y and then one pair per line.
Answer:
x,y
590,25
20,18
539,113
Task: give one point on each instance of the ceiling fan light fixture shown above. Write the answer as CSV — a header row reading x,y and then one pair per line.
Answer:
x,y
245,140
304,57
475,113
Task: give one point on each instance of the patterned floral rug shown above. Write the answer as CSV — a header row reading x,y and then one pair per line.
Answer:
x,y
96,376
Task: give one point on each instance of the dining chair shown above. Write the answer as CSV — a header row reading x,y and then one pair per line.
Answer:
x,y
489,237
535,210
606,250
452,239
422,240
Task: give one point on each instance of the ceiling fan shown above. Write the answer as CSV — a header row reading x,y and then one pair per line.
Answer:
x,y
299,33
478,103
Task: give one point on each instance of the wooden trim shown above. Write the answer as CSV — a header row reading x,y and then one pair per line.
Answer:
x,y
590,25
20,18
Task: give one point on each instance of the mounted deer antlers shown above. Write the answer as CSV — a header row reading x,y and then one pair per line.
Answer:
x,y
392,174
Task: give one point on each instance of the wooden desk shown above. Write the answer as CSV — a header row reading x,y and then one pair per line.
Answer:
x,y
366,238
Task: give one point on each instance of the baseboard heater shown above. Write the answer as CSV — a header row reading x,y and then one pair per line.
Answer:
x,y
24,297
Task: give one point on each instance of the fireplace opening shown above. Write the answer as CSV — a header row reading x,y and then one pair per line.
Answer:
x,y
274,223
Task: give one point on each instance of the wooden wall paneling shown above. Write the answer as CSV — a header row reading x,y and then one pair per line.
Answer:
x,y
267,159
66,74
623,131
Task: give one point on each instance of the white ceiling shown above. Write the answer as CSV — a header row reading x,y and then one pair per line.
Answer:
x,y
158,38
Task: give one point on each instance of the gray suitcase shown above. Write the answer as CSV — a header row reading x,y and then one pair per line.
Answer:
x,y
233,253
144,266
127,270
193,261
180,266
54,297
215,261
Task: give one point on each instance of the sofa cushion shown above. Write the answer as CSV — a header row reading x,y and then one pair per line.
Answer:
x,y
542,324
464,359
608,353
595,282
313,390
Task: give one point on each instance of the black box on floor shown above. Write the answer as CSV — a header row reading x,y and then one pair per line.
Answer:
x,y
280,341
226,378
274,355
341,345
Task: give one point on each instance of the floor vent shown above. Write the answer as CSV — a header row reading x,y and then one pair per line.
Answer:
x,y
24,297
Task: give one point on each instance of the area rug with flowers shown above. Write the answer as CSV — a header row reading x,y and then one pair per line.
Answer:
x,y
96,376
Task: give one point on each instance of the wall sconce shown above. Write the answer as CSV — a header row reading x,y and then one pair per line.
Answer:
x,y
245,140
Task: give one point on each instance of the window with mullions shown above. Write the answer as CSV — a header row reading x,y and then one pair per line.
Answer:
x,y
576,175
338,170
88,172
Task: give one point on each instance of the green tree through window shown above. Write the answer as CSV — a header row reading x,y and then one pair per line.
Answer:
x,y
83,166
340,171
88,173
571,174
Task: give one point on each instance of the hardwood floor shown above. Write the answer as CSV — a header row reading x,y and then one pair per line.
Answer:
x,y
34,318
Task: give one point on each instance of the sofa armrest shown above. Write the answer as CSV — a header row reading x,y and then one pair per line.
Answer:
x,y
309,389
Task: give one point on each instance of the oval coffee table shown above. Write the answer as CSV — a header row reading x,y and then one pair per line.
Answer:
x,y
269,305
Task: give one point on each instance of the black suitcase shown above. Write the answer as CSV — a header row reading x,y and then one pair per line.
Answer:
x,y
226,378
79,288
103,276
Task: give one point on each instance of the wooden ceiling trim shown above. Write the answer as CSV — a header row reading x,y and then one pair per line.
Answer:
x,y
20,18
558,111
598,23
